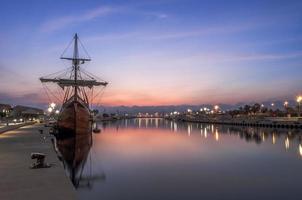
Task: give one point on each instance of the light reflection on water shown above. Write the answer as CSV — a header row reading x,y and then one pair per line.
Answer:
x,y
160,159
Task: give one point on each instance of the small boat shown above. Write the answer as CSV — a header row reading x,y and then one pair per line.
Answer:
x,y
75,116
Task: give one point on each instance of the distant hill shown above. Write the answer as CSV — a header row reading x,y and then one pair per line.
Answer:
x,y
172,108
182,108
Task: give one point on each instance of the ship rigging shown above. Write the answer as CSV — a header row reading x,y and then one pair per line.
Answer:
x,y
75,84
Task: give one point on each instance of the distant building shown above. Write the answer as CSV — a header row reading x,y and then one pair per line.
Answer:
x,y
5,110
26,112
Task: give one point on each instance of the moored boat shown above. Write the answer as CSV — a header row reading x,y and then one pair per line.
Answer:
x,y
75,116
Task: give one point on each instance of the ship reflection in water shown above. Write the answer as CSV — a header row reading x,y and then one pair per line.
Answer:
x,y
73,151
160,159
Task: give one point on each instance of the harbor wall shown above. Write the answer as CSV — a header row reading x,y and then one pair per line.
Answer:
x,y
269,122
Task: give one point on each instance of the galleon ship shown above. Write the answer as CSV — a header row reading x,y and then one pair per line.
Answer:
x,y
75,116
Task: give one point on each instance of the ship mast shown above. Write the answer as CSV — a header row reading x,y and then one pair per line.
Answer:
x,y
75,65
76,82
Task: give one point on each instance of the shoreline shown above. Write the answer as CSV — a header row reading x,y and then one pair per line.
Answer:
x,y
286,123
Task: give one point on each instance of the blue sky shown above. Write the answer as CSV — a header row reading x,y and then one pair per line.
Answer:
x,y
157,52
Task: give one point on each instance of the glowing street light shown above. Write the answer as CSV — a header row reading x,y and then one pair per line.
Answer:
x,y
50,109
57,112
52,105
285,104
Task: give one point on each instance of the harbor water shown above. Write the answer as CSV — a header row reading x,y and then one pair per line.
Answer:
x,y
159,159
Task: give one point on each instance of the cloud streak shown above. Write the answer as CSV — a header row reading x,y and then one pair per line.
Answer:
x,y
22,99
151,35
236,57
63,21
60,22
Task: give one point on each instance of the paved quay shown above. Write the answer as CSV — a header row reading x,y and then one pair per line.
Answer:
x,y
17,180
5,128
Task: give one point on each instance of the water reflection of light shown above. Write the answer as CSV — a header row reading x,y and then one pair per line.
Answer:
x,y
216,135
139,122
205,133
156,122
274,139
300,149
212,128
286,143
201,132
189,130
175,127
263,137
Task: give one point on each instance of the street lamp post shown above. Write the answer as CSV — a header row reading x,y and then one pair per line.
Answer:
x,y
299,99
285,104
272,108
285,108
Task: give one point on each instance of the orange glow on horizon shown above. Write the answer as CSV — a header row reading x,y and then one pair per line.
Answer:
x,y
133,97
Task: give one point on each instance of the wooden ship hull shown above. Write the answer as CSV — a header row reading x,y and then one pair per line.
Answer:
x,y
74,119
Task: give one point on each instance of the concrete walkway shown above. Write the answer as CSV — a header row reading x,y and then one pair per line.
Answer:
x,y
17,180
4,129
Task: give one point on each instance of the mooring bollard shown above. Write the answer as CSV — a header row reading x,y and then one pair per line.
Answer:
x,y
40,161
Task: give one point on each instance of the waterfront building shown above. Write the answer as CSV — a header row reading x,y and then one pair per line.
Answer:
x,y
26,113
5,110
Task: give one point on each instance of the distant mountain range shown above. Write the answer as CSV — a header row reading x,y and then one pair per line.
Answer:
x,y
172,108
183,108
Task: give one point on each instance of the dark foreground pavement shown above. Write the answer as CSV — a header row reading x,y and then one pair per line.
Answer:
x,y
17,180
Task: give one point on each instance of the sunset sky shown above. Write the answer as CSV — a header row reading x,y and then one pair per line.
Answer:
x,y
157,52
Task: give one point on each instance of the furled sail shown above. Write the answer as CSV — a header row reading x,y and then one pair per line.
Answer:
x,y
71,82
74,82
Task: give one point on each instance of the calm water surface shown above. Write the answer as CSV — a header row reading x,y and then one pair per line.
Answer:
x,y
159,159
